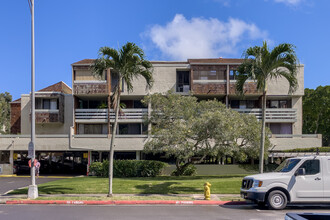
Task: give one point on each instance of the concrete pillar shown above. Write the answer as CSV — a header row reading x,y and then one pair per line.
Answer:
x,y
100,156
149,115
11,158
89,159
138,155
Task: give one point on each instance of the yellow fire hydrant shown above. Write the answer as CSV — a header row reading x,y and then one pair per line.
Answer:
x,y
207,191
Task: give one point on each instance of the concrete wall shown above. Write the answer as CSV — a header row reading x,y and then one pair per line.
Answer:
x,y
62,143
297,104
25,114
47,128
293,143
6,169
280,86
124,143
164,79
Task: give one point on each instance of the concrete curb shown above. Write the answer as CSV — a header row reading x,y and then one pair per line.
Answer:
x,y
124,202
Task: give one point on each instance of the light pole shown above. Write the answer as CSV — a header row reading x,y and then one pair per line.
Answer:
x,y
33,188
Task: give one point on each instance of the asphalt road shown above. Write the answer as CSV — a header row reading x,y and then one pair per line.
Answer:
x,y
10,183
51,212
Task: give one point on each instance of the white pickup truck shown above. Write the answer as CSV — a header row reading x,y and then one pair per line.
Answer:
x,y
296,180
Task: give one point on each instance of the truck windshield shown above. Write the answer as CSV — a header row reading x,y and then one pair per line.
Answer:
x,y
287,165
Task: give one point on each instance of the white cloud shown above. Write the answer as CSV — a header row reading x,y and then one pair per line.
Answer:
x,y
202,38
289,2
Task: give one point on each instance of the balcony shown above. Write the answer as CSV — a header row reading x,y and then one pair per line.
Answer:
x,y
273,114
49,116
90,87
101,115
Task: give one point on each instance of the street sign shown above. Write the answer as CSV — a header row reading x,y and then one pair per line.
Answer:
x,y
15,156
30,150
85,155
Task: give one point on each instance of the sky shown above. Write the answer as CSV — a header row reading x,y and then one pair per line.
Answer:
x,y
67,31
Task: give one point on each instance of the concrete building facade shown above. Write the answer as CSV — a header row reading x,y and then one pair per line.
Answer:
x,y
72,126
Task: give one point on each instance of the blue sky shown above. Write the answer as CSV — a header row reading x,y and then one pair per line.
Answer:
x,y
70,30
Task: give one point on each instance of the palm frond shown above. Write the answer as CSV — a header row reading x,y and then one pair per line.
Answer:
x,y
260,64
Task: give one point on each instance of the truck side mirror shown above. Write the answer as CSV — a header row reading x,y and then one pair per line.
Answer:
x,y
300,172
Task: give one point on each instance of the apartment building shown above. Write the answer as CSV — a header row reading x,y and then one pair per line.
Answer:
x,y
72,126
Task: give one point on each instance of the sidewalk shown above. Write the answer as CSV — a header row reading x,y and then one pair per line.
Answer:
x,y
139,199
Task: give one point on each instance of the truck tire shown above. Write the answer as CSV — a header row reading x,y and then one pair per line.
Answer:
x,y
277,200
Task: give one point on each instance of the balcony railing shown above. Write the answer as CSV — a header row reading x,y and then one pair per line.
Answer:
x,y
101,115
273,114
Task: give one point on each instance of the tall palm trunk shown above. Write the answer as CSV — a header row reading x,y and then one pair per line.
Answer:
x,y
114,129
262,141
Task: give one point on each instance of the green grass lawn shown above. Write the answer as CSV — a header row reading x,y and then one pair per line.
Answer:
x,y
227,184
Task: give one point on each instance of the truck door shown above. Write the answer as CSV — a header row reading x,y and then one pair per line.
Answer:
x,y
309,187
326,178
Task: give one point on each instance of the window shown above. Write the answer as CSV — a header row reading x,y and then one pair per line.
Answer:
x,y
287,165
243,104
132,129
182,81
278,104
281,128
46,103
92,104
138,104
92,129
234,103
252,104
233,74
312,167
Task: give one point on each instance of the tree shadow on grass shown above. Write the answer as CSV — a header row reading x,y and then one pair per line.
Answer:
x,y
53,189
167,188
174,178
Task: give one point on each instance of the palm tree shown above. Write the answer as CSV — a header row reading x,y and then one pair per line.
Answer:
x,y
261,65
126,64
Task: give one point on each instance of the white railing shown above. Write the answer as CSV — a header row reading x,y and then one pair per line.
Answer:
x,y
102,114
273,114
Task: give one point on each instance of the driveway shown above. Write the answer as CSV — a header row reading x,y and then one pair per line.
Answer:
x,y
11,183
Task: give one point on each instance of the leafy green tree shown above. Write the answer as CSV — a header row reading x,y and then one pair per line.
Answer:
x,y
127,63
316,112
183,127
5,99
260,64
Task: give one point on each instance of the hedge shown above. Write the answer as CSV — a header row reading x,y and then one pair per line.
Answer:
x,y
128,168
312,149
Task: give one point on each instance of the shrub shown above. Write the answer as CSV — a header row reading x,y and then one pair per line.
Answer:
x,y
95,169
189,170
312,149
128,168
250,168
